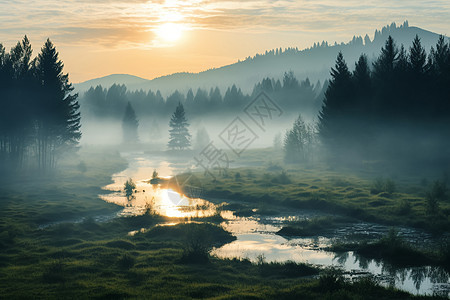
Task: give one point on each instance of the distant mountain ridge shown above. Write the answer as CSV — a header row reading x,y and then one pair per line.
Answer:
x,y
314,62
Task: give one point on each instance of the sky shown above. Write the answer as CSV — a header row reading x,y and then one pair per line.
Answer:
x,y
156,38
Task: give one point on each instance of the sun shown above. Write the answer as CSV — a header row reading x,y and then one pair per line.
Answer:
x,y
170,32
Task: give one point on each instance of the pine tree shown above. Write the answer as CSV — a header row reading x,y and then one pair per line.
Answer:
x,y
58,121
179,134
362,75
290,81
17,107
384,65
418,82
130,125
440,58
266,85
299,142
215,98
339,98
386,81
362,111
440,72
417,59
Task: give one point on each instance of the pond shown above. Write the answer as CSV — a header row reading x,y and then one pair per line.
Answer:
x,y
256,237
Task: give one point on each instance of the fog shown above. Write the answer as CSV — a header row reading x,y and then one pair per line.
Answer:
x,y
340,185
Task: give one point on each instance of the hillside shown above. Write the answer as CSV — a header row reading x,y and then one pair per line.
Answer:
x,y
313,62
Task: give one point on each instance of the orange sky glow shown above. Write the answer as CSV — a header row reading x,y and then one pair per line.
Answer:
x,y
155,38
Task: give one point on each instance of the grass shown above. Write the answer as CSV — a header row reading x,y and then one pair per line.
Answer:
x,y
393,249
100,260
312,227
360,193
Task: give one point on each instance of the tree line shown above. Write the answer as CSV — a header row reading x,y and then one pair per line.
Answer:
x,y
397,107
290,93
39,117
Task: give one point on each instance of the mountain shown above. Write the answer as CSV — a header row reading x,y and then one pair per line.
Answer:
x,y
314,62
131,81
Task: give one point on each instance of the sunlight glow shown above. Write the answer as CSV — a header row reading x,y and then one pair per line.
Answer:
x,y
170,32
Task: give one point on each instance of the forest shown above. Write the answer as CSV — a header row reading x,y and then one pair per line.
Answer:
x,y
398,108
39,117
110,103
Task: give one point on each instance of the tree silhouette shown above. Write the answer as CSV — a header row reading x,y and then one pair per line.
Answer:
x,y
179,134
361,114
130,125
58,120
299,142
385,80
417,58
16,90
417,80
339,97
391,111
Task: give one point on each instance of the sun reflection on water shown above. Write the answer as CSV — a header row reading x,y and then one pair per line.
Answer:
x,y
159,200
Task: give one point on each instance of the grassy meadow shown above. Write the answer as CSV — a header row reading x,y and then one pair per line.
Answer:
x,y
370,191
101,260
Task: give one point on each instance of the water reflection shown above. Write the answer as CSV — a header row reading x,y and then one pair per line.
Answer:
x,y
417,280
256,235
154,198
162,201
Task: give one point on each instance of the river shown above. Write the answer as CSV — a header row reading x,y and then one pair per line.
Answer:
x,y
256,237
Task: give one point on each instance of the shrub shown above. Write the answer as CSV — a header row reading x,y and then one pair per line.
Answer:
x,y
331,279
377,186
197,243
282,178
389,186
381,185
437,193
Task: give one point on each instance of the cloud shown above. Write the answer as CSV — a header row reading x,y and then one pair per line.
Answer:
x,y
121,24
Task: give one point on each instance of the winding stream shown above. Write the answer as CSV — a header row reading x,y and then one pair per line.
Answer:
x,y
256,235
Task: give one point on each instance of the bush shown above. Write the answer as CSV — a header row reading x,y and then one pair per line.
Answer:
x,y
197,244
283,178
437,193
389,186
331,279
381,185
377,186
199,239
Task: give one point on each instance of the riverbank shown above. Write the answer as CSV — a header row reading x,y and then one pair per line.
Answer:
x,y
368,196
110,258
96,260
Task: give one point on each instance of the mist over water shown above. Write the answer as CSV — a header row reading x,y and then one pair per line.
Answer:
x,y
257,236
265,172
